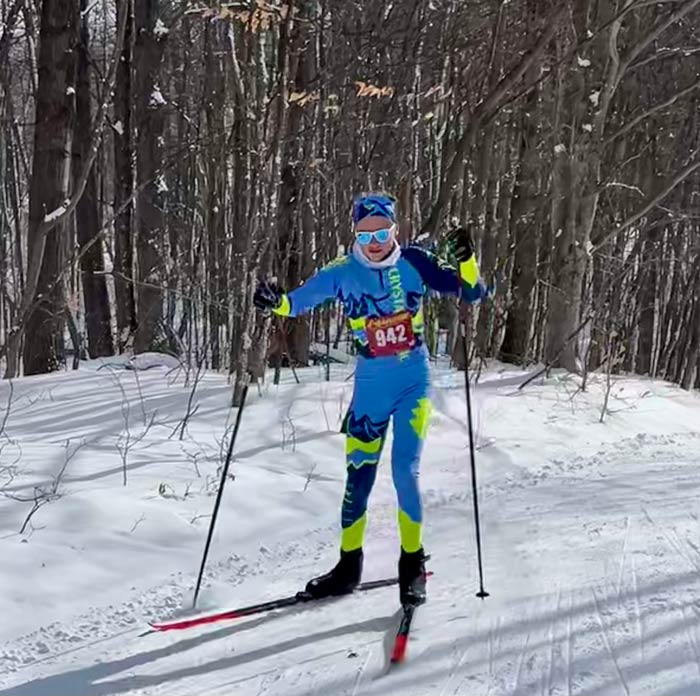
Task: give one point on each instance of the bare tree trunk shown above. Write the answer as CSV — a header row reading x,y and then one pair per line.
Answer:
x,y
87,215
215,190
123,191
150,121
693,349
50,179
646,301
517,345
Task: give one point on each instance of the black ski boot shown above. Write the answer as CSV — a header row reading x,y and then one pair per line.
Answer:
x,y
412,578
343,579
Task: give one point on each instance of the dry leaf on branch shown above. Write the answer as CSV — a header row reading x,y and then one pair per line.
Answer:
x,y
260,19
364,89
303,98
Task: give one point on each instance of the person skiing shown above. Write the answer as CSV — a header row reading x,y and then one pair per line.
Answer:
x,y
381,286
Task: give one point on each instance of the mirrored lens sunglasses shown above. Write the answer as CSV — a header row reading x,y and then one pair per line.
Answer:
x,y
381,236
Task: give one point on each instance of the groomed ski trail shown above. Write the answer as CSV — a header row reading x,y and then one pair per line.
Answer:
x,y
588,559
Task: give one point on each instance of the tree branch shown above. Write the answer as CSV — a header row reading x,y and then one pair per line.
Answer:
x,y
665,54
654,34
548,365
6,35
649,112
486,111
679,179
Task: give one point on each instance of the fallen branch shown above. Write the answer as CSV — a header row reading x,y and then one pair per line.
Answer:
x,y
45,494
552,360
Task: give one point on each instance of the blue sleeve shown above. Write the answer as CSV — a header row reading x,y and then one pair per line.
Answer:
x,y
323,285
445,279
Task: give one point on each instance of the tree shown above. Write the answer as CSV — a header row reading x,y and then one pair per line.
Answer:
x,y
124,185
50,182
150,111
88,221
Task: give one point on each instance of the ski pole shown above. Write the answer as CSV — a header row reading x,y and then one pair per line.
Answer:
x,y
219,494
328,343
482,594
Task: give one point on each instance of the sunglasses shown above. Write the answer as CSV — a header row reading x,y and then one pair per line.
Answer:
x,y
380,236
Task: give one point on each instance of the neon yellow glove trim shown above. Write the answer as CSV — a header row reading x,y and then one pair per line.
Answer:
x,y
285,307
469,271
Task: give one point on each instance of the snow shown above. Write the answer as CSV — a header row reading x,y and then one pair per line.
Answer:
x,y
588,127
70,90
594,97
583,62
559,148
55,214
160,29
589,537
626,186
119,127
157,98
338,355
142,361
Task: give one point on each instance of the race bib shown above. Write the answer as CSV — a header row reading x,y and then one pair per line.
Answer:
x,y
390,335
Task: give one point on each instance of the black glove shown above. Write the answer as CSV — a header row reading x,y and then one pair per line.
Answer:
x,y
268,296
461,242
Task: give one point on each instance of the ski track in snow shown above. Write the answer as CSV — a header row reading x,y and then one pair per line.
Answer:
x,y
96,628
592,572
97,625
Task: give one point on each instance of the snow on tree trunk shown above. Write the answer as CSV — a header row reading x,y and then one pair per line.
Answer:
x,y
123,191
50,181
88,220
150,200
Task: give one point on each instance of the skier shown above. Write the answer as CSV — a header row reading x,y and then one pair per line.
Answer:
x,y
381,286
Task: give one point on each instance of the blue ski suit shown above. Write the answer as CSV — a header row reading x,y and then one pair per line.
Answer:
x,y
386,385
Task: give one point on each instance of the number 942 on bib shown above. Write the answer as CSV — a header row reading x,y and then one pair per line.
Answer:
x,y
390,335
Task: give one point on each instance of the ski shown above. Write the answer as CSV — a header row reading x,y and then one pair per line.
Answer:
x,y
185,622
406,614
398,653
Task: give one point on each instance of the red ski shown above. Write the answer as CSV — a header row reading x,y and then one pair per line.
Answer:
x,y
398,653
184,622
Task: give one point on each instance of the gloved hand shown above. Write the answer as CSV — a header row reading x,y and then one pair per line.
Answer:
x,y
268,296
461,242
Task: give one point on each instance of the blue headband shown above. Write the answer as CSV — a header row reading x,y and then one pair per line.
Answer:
x,y
372,204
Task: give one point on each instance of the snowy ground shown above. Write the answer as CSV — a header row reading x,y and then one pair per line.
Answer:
x,y
591,540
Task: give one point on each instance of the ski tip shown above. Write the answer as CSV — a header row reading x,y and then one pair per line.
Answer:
x,y
399,652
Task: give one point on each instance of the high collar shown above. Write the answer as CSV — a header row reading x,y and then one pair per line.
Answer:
x,y
389,261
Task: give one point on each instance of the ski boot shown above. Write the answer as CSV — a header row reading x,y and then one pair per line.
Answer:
x,y
343,579
412,578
